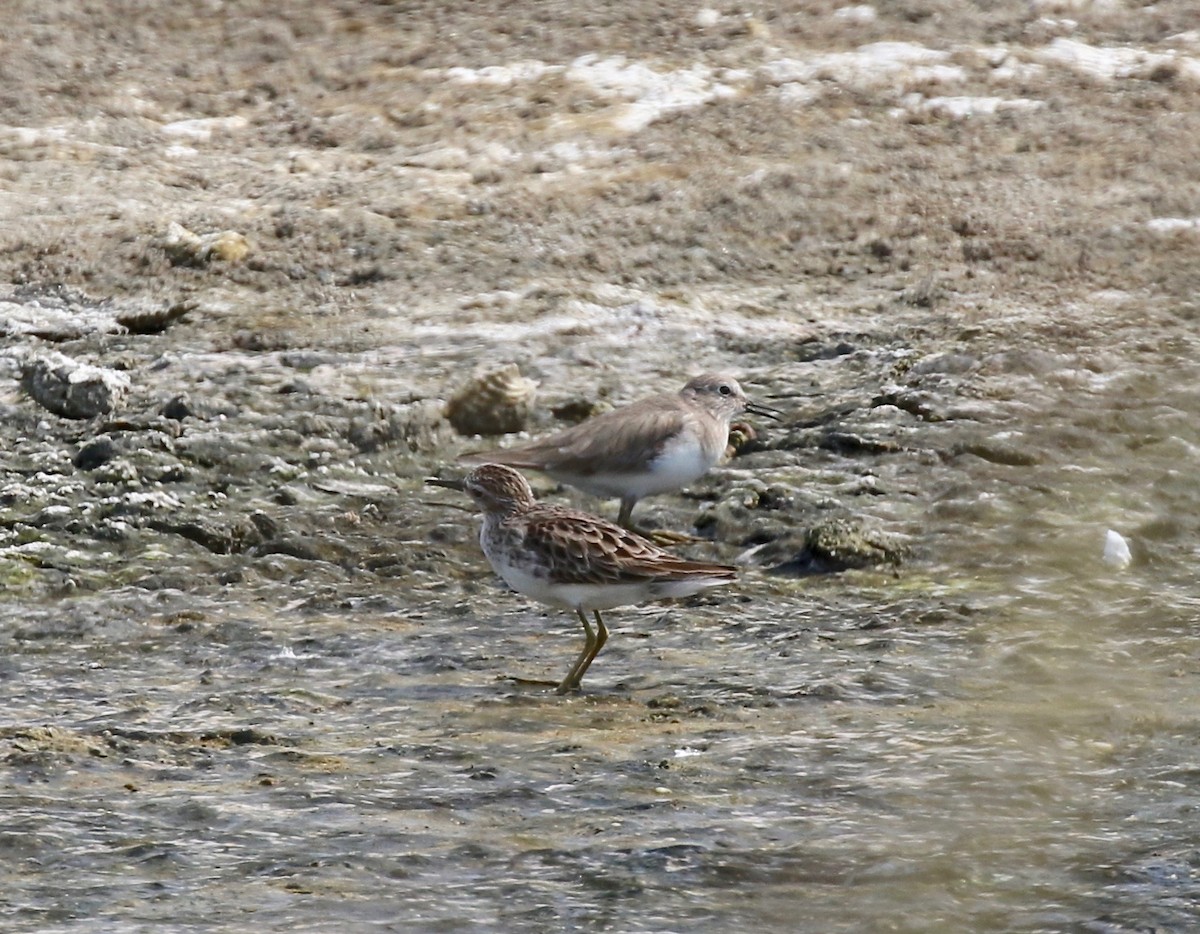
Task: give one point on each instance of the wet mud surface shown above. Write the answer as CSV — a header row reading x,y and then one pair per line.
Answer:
x,y
257,673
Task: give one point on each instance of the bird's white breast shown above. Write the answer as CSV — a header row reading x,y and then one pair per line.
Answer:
x,y
683,460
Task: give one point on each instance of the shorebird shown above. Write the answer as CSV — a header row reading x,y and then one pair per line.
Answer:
x,y
573,560
652,446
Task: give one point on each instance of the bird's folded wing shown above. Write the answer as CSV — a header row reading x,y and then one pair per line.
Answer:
x,y
590,550
621,440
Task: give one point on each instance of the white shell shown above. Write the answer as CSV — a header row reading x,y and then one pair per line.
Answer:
x,y
1116,550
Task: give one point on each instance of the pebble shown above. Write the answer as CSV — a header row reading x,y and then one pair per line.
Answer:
x,y
185,248
177,408
72,389
95,453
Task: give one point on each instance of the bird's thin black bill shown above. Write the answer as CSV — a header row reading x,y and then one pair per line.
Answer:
x,y
755,408
447,484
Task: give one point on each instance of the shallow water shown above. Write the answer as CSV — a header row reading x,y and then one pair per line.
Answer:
x,y
1000,737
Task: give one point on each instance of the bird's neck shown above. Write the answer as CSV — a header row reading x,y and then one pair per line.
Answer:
x,y
498,514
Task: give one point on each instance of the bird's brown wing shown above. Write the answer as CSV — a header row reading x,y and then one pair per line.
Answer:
x,y
621,440
589,550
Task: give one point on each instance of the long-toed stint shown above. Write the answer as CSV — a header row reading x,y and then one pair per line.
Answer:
x,y
573,560
652,446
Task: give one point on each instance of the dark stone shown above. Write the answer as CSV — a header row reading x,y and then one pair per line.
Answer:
x,y
1000,452
851,444
576,410
835,544
95,453
177,409
154,321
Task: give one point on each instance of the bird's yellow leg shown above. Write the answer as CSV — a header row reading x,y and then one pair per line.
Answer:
x,y
571,681
584,663
662,537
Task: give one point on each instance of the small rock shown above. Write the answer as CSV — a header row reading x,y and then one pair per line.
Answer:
x,y
267,527
832,545
153,320
851,444
999,451
177,409
493,403
286,496
95,453
246,737
185,248
72,389
577,409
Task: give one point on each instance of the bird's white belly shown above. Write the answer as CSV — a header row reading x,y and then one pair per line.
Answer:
x,y
597,596
678,465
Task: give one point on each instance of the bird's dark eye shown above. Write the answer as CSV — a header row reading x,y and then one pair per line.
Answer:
x,y
725,390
